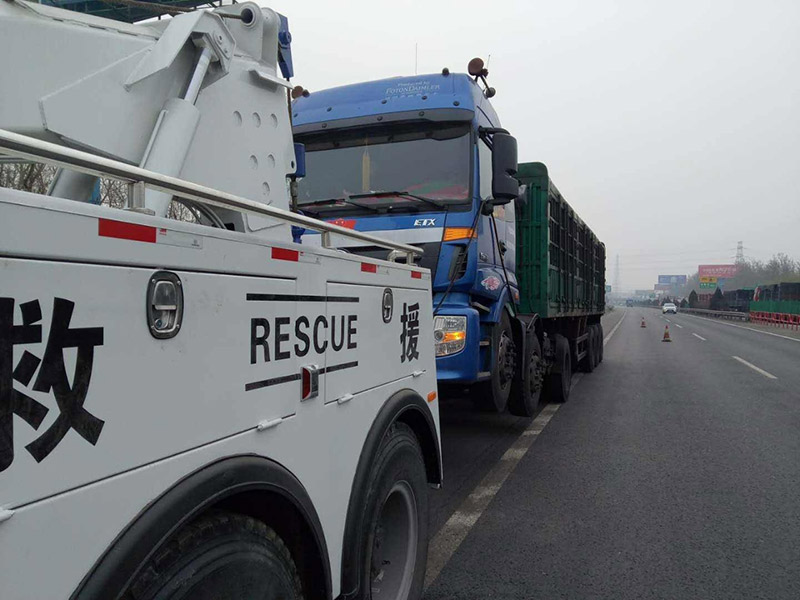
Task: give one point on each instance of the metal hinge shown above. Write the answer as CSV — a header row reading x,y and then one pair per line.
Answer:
x,y
345,398
5,514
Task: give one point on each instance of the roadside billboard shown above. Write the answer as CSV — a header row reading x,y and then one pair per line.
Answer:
x,y
719,271
672,279
662,287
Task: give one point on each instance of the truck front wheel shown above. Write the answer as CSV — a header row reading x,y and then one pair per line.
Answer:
x,y
493,394
395,544
220,556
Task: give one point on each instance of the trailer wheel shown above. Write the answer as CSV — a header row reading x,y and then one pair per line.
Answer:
x,y
558,380
589,361
220,556
395,541
527,390
493,394
600,344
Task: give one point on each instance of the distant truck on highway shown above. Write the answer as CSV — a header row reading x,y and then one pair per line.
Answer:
x,y
518,277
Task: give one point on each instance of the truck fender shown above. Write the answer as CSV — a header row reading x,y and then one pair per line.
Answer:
x,y
234,482
408,407
497,307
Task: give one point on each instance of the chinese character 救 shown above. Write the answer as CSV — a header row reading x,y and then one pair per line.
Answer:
x,y
52,376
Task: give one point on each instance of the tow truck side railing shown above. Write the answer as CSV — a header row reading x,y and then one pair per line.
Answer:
x,y
28,148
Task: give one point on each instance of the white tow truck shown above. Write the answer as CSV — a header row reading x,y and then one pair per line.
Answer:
x,y
195,409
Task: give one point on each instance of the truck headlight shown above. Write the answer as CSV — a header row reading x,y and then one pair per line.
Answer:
x,y
449,334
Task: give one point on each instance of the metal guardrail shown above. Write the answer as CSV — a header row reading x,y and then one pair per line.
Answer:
x,y
28,148
718,314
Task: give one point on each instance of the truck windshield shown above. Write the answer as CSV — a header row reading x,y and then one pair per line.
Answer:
x,y
421,161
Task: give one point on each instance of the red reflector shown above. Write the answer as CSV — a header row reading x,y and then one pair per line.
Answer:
x,y
126,231
284,254
306,379
369,268
416,275
346,223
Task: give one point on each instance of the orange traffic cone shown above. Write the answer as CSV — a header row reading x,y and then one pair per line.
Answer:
x,y
666,337
643,325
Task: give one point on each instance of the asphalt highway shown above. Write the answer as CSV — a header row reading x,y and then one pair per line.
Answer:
x,y
672,472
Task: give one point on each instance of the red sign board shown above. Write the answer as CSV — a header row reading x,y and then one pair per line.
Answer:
x,y
719,271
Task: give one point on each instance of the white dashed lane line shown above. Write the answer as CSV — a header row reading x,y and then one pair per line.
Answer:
x,y
755,368
678,326
785,337
699,337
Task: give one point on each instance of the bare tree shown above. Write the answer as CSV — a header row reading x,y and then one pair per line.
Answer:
x,y
36,178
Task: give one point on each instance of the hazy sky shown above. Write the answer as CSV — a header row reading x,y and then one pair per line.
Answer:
x,y
673,127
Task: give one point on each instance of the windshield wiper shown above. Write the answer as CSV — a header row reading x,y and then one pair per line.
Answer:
x,y
345,199
409,195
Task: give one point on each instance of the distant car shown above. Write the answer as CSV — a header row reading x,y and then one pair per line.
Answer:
x,y
628,302
669,307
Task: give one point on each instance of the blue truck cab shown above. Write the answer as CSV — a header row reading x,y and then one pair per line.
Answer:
x,y
422,160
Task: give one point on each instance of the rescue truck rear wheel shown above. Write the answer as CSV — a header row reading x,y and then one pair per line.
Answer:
x,y
220,556
395,544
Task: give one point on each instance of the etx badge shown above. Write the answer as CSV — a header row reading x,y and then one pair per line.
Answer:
x,y
387,305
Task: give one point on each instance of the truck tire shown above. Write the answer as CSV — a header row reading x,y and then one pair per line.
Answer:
x,y
559,379
395,539
600,343
527,390
220,556
589,361
492,395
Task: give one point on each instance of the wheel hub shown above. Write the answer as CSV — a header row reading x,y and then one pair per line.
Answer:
x,y
394,546
506,356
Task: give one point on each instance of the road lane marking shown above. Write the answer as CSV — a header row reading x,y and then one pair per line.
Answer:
x,y
447,540
755,368
699,337
449,537
678,326
614,329
785,337
667,320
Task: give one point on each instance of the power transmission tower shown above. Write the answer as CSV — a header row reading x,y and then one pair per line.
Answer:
x,y
740,252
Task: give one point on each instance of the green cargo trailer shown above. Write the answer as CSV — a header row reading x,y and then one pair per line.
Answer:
x,y
560,261
560,268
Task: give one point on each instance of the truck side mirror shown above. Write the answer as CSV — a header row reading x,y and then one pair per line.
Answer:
x,y
505,186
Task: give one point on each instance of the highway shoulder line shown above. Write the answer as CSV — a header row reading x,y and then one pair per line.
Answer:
x,y
755,368
447,540
449,537
614,329
699,337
